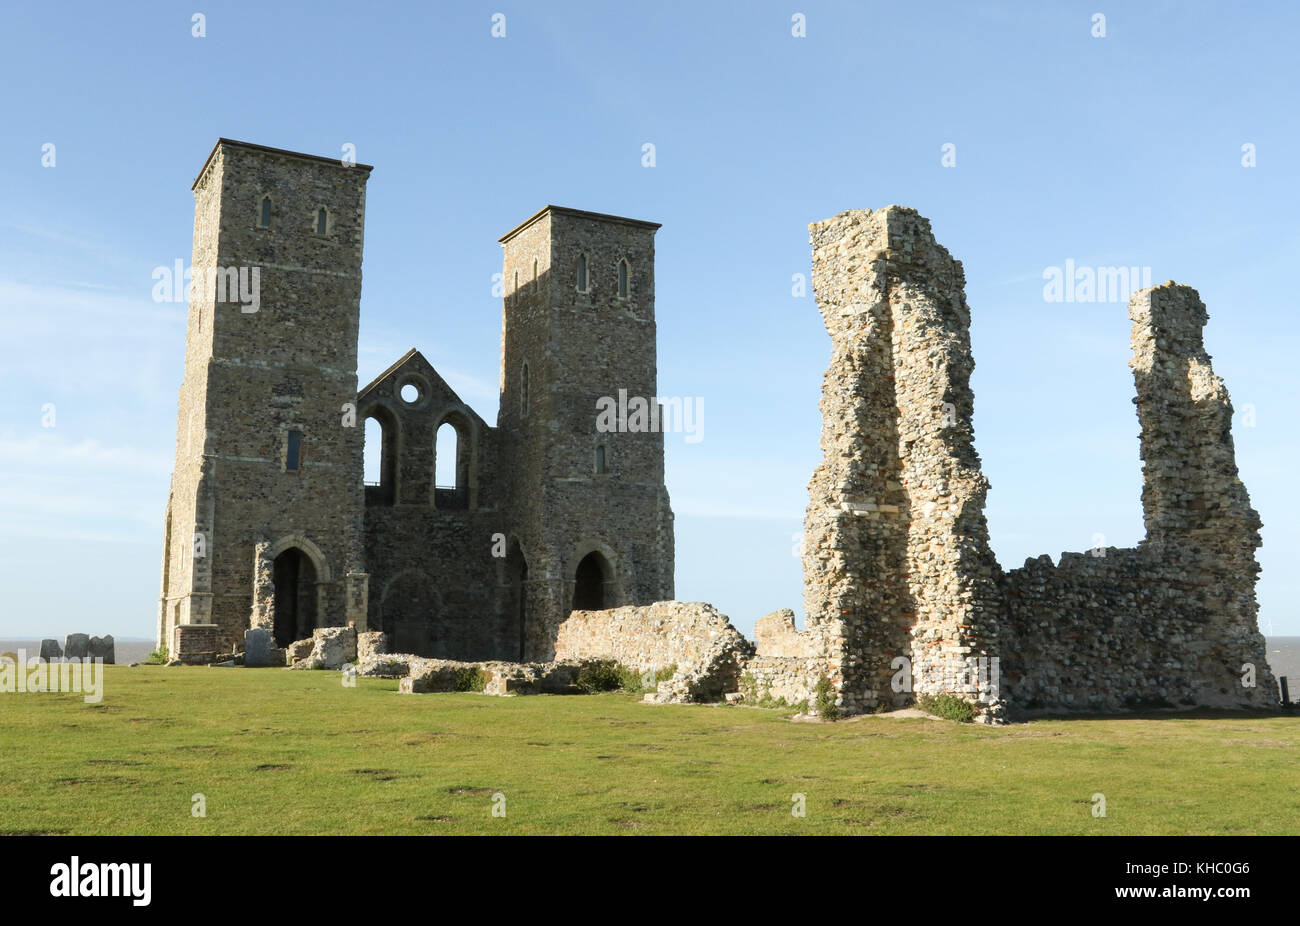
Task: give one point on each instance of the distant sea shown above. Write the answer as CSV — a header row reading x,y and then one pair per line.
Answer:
x,y
125,651
1284,660
1283,655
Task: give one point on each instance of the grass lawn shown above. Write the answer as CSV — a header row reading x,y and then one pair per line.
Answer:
x,y
274,751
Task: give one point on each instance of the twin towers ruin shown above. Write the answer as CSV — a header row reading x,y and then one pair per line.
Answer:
x,y
270,525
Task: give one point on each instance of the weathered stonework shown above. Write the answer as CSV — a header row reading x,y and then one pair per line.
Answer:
x,y
707,651
263,614
1173,622
261,387
498,678
331,648
552,544
268,523
902,591
896,557
650,638
371,643
786,665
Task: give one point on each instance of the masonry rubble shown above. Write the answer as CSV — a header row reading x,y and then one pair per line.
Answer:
x,y
329,648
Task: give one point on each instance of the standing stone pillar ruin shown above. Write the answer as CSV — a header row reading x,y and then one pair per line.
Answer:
x,y
897,562
1200,526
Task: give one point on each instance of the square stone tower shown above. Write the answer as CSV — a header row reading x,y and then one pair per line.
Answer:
x,y
592,521
267,480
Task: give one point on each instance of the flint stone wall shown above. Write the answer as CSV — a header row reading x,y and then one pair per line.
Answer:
x,y
1117,631
1173,622
786,664
896,555
419,674
897,559
652,637
707,650
500,678
331,648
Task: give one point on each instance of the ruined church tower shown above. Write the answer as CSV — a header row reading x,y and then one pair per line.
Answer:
x,y
592,522
266,491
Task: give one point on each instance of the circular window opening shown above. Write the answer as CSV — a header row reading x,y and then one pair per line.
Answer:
x,y
410,393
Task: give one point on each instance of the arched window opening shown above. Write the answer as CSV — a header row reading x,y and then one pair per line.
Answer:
x,y
322,221
622,279
534,268
372,454
582,273
451,457
600,459
589,584
264,213
294,577
379,460
523,393
445,469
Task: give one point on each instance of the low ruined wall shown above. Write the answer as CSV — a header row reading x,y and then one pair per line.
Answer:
x,y
656,636
776,635
781,680
1119,631
496,678
708,652
786,665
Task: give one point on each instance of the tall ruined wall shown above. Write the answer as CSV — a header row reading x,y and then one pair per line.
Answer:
x,y
896,558
1174,621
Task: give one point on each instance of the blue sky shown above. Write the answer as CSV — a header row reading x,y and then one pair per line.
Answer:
x,y
1122,150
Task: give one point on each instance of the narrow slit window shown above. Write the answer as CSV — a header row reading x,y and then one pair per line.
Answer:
x,y
523,393
293,452
582,273
322,220
622,279
600,459
264,213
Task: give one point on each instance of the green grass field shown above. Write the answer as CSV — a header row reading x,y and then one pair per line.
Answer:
x,y
274,751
